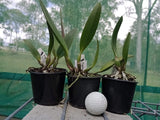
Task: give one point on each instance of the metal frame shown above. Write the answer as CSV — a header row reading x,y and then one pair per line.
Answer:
x,y
17,110
137,112
146,109
62,115
65,107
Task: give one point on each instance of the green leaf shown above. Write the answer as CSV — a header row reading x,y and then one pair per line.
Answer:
x,y
90,27
126,48
69,63
56,33
68,40
70,37
48,60
114,36
33,50
62,28
55,47
95,58
118,61
51,40
106,66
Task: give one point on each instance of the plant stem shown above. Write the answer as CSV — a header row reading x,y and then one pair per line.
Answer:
x,y
79,61
74,81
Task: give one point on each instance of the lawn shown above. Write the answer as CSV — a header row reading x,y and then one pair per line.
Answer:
x,y
18,62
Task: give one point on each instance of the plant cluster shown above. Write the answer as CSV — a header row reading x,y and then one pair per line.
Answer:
x,y
118,63
55,51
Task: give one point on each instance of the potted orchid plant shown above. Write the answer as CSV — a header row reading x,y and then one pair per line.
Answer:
x,y
48,80
80,81
119,86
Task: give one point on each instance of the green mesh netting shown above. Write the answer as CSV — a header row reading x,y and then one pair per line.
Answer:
x,y
15,90
24,19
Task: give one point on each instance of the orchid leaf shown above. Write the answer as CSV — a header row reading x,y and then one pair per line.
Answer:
x,y
51,40
33,50
62,28
70,37
126,48
118,61
56,33
48,60
55,48
90,27
69,63
60,52
68,40
114,36
95,58
107,66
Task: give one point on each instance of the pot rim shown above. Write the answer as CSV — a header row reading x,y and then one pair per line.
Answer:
x,y
95,77
119,80
49,73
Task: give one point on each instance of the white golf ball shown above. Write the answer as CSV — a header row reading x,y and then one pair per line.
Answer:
x,y
96,103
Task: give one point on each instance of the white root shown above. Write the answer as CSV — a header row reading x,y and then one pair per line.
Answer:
x,y
115,75
124,76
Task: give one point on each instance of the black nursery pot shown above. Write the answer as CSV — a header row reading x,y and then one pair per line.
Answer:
x,y
81,88
48,88
119,94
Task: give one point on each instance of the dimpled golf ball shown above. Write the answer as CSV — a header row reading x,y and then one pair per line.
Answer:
x,y
96,103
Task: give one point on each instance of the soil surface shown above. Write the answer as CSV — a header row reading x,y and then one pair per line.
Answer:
x,y
47,70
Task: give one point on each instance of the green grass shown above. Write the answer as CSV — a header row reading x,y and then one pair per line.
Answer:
x,y
18,62
152,78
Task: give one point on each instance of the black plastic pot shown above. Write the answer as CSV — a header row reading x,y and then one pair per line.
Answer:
x,y
81,88
119,94
48,87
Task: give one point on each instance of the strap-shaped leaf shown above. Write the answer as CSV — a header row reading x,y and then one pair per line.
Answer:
x,y
126,48
68,40
62,28
114,36
56,33
90,27
55,48
48,60
70,37
107,66
33,50
95,58
69,63
51,40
